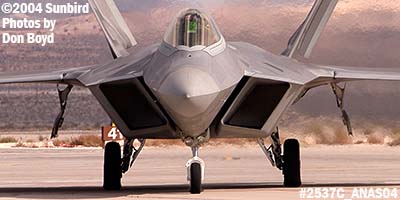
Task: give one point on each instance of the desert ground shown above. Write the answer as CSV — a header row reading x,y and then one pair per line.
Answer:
x,y
232,172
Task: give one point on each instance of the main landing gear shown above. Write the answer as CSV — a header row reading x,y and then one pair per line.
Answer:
x,y
114,166
289,162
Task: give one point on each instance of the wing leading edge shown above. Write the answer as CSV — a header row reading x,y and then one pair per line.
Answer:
x,y
65,76
333,75
336,74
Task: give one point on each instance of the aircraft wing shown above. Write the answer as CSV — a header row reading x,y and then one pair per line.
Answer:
x,y
118,69
336,74
65,76
333,75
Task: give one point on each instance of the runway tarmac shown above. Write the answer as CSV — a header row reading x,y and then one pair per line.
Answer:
x,y
232,172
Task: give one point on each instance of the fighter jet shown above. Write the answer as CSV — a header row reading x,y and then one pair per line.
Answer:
x,y
196,86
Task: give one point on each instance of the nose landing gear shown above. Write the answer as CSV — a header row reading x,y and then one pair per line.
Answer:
x,y
195,166
195,172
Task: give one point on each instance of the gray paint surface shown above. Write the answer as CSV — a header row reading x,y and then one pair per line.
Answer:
x,y
189,86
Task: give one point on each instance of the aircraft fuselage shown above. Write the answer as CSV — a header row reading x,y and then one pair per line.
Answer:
x,y
193,85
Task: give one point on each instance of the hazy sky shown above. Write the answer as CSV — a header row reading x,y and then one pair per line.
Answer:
x,y
360,33
133,5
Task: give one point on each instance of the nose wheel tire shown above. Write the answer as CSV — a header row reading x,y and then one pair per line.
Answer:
x,y
291,165
195,178
112,166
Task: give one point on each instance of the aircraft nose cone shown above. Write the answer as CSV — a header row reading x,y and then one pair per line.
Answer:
x,y
188,92
188,82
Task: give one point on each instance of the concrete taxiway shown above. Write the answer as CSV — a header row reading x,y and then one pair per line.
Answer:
x,y
232,172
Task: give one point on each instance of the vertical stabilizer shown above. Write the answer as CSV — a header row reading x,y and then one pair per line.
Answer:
x,y
306,36
118,35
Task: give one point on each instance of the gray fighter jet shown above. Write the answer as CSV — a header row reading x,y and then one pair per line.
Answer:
x,y
196,86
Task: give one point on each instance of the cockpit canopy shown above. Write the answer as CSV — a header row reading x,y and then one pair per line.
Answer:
x,y
192,28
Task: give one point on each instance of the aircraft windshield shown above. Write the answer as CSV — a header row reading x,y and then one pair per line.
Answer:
x,y
192,28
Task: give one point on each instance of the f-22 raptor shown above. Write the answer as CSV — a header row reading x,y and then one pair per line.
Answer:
x,y
197,86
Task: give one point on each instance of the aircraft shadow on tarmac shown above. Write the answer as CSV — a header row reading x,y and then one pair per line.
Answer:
x,y
98,192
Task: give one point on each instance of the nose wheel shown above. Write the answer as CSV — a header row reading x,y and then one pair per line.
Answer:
x,y
195,178
195,170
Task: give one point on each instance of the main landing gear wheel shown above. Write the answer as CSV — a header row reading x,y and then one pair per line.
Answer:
x,y
291,163
195,178
112,166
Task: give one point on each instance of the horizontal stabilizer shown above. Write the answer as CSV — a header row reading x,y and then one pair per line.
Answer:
x,y
306,36
114,26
